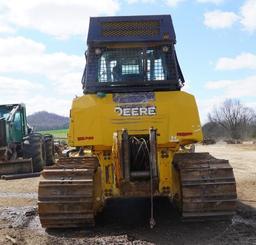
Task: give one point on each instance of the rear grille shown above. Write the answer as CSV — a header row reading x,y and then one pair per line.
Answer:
x,y
130,28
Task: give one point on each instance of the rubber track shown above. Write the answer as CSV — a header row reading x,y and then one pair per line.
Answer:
x,y
65,195
208,187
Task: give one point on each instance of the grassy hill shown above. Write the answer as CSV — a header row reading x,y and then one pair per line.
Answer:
x,y
43,121
57,133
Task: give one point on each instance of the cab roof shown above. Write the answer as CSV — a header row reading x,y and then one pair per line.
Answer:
x,y
120,29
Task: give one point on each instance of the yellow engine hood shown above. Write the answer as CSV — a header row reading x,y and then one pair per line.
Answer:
x,y
174,114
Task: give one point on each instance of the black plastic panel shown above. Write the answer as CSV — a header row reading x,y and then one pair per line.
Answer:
x,y
3,140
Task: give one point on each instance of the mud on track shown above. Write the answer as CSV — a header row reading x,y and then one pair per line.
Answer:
x,y
126,221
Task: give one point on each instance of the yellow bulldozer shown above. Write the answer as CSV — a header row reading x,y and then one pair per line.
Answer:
x,y
128,130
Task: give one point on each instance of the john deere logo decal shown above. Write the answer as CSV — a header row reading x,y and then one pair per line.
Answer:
x,y
130,111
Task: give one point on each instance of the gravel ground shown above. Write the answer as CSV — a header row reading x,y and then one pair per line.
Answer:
x,y
126,221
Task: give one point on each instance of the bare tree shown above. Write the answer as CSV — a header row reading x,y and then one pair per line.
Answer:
x,y
234,117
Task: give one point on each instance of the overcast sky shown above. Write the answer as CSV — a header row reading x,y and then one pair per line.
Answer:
x,y
42,44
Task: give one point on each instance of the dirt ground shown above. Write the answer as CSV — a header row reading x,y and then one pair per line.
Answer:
x,y
127,221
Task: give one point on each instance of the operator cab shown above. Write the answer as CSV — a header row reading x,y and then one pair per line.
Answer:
x,y
13,116
135,55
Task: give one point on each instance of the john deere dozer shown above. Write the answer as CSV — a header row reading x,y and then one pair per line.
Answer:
x,y
128,129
